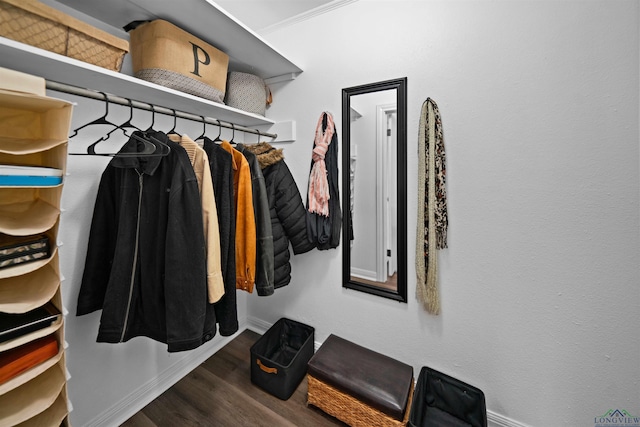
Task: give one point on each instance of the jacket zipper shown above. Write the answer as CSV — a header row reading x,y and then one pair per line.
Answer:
x,y
135,255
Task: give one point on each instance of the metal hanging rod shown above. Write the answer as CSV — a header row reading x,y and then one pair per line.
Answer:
x,y
88,93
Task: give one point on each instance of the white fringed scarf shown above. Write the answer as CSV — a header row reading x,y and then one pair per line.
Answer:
x,y
318,181
432,206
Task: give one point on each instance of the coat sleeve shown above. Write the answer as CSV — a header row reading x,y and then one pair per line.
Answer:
x,y
185,283
245,230
101,247
291,211
264,250
215,283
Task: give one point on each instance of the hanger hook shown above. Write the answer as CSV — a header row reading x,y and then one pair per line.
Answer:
x,y
153,117
219,129
130,109
100,120
175,121
106,104
259,134
233,135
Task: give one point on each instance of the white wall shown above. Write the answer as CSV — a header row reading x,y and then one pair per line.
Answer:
x,y
539,285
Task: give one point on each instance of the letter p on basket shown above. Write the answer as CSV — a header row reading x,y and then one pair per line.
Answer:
x,y
169,56
196,58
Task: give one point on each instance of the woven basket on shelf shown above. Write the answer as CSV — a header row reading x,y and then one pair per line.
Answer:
x,y
165,54
348,409
247,92
36,24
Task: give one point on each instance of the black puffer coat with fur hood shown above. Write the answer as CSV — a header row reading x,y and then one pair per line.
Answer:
x,y
288,214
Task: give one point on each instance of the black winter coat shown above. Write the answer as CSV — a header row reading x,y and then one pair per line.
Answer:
x,y
322,230
288,215
145,265
220,161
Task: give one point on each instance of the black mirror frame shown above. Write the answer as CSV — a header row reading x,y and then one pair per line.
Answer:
x,y
400,85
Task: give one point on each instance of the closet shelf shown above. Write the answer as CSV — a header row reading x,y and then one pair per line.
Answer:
x,y
27,217
247,51
52,416
19,405
20,294
31,373
58,68
22,146
27,267
24,339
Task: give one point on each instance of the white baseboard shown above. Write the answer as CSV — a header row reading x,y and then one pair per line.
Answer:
x,y
497,420
258,326
145,394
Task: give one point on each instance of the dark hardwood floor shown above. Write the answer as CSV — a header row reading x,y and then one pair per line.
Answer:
x,y
220,393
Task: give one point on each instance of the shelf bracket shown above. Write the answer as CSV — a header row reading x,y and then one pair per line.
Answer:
x,y
285,131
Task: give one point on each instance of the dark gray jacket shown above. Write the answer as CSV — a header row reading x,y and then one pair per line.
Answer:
x,y
288,215
264,233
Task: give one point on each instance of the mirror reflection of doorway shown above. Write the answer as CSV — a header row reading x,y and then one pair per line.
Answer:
x,y
373,176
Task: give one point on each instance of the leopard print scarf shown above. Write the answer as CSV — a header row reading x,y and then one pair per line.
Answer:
x,y
432,205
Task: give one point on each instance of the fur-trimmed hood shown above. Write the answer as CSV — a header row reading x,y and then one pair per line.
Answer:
x,y
266,154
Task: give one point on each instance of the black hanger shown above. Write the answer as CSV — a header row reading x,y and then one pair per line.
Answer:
x,y
153,118
204,129
219,132
175,121
128,124
100,120
123,127
233,135
259,135
151,145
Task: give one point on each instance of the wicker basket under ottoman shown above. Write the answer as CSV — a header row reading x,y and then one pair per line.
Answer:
x,y
358,386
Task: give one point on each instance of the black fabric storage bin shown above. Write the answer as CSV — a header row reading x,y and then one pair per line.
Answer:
x,y
279,358
443,401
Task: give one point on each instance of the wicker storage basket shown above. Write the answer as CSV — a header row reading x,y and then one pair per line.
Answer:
x,y
348,409
169,56
247,92
36,24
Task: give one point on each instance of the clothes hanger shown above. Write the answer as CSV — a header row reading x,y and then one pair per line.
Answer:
x,y
233,135
153,118
151,144
175,121
126,125
204,129
100,120
218,139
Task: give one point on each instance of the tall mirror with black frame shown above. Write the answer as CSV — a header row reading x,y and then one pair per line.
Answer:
x,y
374,158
